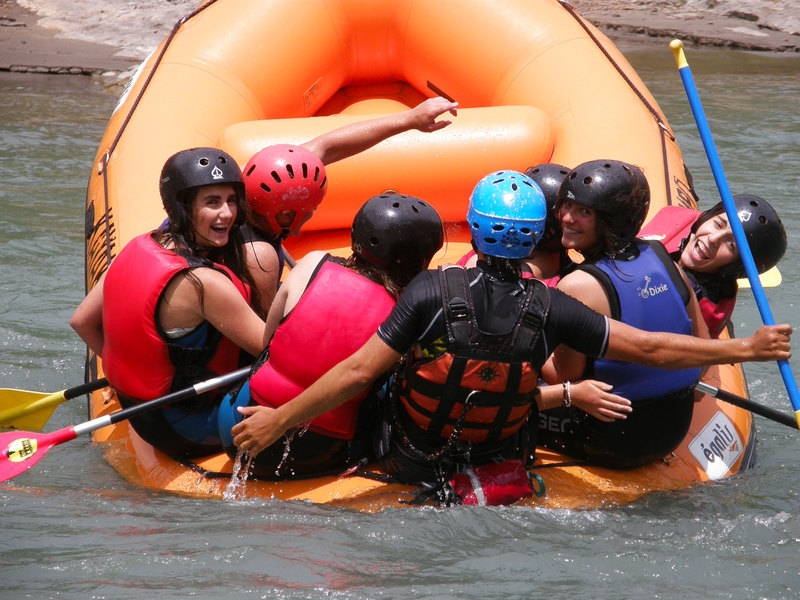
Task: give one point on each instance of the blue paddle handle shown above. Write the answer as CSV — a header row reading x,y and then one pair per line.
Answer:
x,y
730,209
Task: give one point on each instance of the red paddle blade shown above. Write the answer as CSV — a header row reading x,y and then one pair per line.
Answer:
x,y
23,449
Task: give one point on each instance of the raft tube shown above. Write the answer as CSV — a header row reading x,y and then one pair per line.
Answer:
x,y
535,82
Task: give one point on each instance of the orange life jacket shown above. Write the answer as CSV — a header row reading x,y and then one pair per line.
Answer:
x,y
483,386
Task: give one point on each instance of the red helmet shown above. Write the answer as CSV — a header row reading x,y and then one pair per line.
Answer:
x,y
282,178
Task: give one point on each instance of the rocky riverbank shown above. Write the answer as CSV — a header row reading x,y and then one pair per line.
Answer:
x,y
99,37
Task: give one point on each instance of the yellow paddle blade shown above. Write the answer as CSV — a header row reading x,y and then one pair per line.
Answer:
x,y
22,409
771,278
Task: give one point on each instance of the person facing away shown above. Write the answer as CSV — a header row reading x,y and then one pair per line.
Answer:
x,y
172,309
708,254
473,341
325,309
602,205
549,259
286,183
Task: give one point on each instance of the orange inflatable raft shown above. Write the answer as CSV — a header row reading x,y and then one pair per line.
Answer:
x,y
535,83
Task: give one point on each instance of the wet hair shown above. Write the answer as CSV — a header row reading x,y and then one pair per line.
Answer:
x,y
393,285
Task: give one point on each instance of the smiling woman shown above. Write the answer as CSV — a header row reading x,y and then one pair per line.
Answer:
x,y
702,244
214,212
184,316
602,205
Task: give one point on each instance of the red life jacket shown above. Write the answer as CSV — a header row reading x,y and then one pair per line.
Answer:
x,y
136,353
670,226
484,383
338,312
717,315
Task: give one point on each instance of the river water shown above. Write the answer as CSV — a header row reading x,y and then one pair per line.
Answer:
x,y
71,528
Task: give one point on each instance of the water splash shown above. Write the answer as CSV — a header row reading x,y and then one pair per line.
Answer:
x,y
287,442
236,490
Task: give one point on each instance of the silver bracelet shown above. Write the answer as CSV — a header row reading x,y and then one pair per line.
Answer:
x,y
566,398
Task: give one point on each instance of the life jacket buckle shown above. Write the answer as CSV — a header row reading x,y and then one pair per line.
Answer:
x,y
458,308
532,319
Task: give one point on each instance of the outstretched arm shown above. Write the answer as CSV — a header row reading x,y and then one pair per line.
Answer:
x,y
263,426
672,351
354,138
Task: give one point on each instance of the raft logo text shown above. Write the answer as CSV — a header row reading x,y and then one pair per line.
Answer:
x,y
717,446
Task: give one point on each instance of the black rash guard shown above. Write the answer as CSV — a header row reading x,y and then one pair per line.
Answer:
x,y
417,317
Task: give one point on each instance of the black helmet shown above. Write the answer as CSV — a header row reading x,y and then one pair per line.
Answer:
x,y
398,234
549,177
188,169
762,227
618,191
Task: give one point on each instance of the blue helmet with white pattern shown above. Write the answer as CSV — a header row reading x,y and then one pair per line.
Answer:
x,y
507,212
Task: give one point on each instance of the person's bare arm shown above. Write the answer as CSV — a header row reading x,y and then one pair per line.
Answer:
x,y
228,312
699,325
87,320
263,264
356,137
565,363
264,426
591,396
673,351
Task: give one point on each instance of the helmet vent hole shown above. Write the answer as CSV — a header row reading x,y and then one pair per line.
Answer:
x,y
203,162
395,205
373,241
762,219
250,170
498,227
265,187
415,209
290,171
305,171
514,186
587,180
276,177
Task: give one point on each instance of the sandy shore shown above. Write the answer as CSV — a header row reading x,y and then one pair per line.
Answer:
x,y
26,45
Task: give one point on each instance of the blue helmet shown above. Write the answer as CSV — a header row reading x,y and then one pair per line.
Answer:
x,y
507,212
